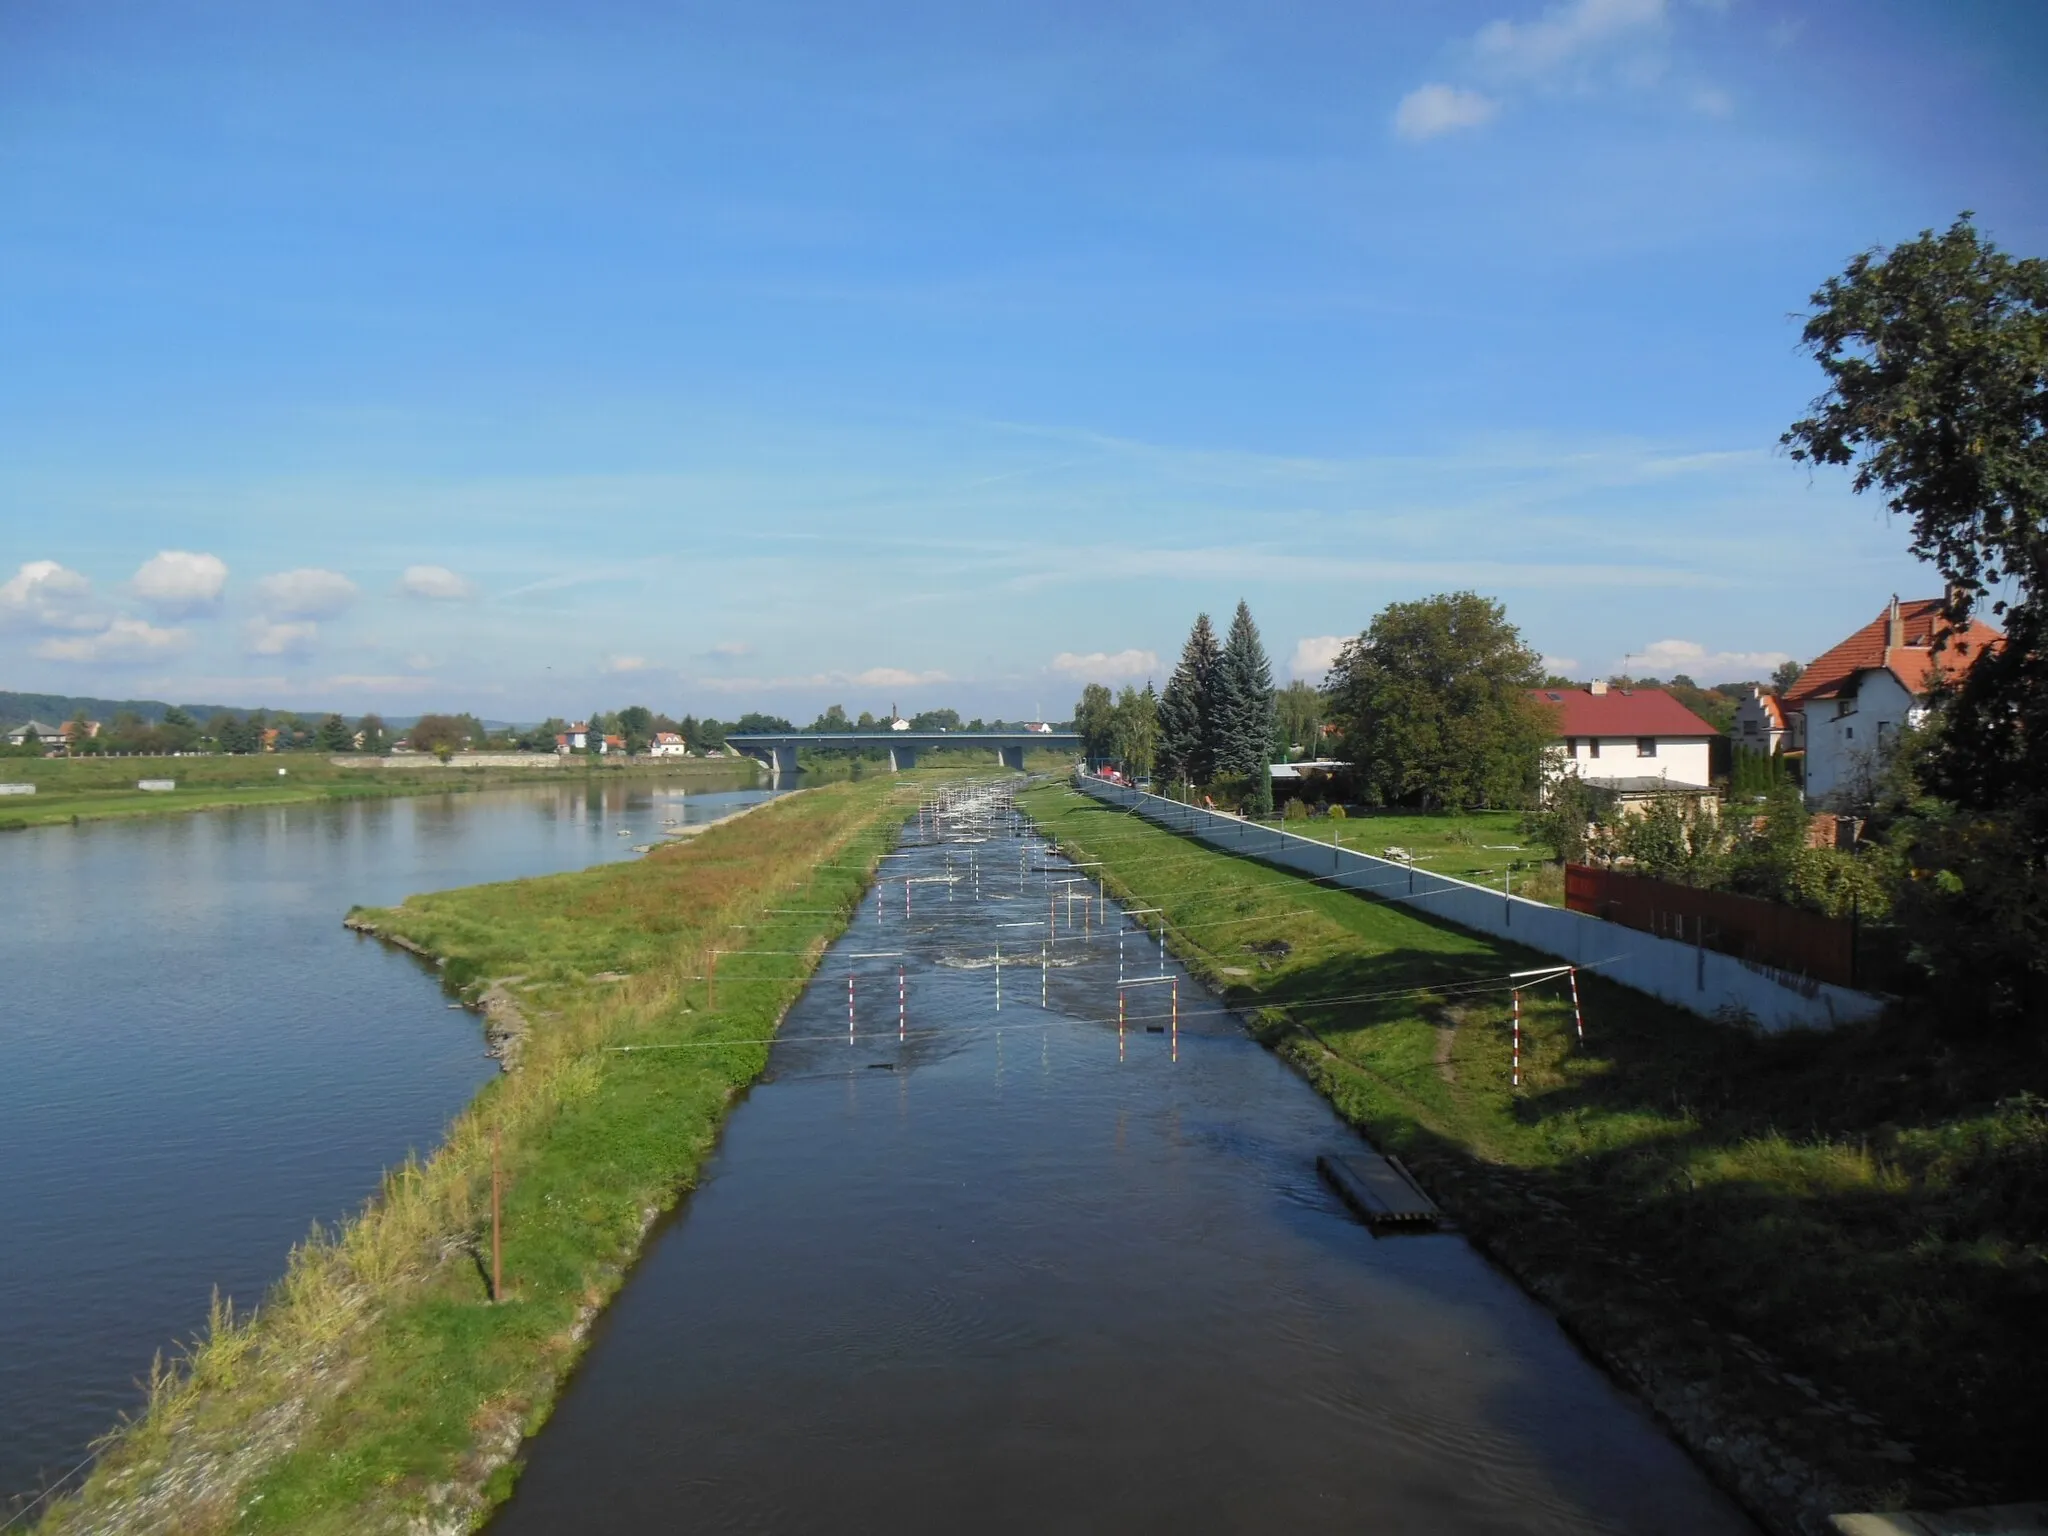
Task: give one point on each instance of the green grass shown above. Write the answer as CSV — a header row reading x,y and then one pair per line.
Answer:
x,y
90,789
1479,846
1862,1209
379,1388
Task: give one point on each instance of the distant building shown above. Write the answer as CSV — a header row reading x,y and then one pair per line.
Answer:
x,y
49,735
668,744
575,739
1632,740
1761,724
1854,699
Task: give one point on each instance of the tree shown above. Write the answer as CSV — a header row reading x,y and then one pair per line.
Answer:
x,y
1298,708
636,724
1242,708
1134,730
441,734
833,719
936,720
1095,722
335,736
375,736
1184,733
1433,704
1784,676
751,721
1935,355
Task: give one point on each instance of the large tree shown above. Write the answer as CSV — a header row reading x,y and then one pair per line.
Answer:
x,y
1134,730
1244,700
1186,748
1299,710
1095,722
1432,702
1936,357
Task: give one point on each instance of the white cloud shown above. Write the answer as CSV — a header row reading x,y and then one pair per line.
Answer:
x,y
1664,658
1107,666
1566,36
731,650
307,593
896,677
1433,109
1562,666
177,581
618,664
123,640
1314,655
266,638
435,583
47,595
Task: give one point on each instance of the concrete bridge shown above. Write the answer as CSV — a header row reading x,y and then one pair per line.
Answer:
x,y
778,750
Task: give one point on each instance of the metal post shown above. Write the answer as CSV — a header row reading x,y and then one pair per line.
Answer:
x,y
1578,1018
1518,1037
1176,1018
1119,1027
1044,971
902,1012
999,975
849,1007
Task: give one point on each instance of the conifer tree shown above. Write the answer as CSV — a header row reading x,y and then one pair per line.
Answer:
x,y
1243,706
1184,708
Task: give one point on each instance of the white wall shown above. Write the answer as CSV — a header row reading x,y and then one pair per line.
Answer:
x,y
1681,759
1697,979
1839,746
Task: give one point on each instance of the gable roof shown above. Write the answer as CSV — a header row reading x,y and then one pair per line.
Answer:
x,y
1913,663
1620,712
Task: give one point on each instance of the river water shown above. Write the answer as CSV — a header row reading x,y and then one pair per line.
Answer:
x,y
1009,1268
197,1061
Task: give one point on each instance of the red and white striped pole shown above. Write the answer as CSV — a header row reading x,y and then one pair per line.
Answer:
x,y
1176,1018
849,1007
1119,1026
1578,1018
902,1010
1518,1037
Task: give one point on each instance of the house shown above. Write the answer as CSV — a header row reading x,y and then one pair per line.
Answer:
x,y
1761,724
1632,740
1853,700
575,739
668,744
611,744
49,735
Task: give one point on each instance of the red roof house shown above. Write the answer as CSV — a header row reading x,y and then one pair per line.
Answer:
x,y
1628,738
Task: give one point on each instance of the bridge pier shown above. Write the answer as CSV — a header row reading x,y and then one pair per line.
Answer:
x,y
901,757
1011,758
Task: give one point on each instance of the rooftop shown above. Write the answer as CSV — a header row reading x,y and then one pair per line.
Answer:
x,y
1900,640
1598,710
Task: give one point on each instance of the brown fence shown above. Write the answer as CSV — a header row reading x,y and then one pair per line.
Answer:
x,y
1784,938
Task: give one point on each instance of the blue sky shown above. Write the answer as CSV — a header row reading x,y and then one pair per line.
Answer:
x,y
528,358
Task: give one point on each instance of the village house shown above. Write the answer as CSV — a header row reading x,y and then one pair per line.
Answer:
x,y
48,735
1853,701
575,739
668,744
1634,741
1761,724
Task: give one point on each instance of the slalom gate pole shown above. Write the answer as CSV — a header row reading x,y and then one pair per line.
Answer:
x,y
849,1008
1518,1036
1578,1018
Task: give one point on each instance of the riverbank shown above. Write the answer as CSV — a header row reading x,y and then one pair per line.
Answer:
x,y
379,1388
1818,1258
93,789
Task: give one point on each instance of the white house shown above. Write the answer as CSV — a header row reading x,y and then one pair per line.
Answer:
x,y
668,744
1761,724
1627,739
49,735
1854,699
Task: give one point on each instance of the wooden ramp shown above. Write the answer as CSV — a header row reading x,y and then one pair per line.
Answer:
x,y
1382,1192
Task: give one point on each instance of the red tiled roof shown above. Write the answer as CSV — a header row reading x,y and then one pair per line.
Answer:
x,y
1913,664
1618,712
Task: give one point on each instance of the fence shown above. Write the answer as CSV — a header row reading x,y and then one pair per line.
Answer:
x,y
1689,975
1762,932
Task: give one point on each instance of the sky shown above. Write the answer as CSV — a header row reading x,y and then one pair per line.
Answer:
x,y
530,359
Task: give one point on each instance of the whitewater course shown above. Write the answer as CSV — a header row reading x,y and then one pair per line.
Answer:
x,y
1021,1232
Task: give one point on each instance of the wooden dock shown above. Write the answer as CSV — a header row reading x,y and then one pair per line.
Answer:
x,y
1382,1192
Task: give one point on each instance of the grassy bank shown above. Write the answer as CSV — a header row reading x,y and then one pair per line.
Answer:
x,y
379,1388
91,789
1820,1257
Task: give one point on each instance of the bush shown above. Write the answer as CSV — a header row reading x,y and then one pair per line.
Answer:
x,y
1296,811
1337,813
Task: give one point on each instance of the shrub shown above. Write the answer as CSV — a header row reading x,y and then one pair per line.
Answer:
x,y
1296,811
1337,813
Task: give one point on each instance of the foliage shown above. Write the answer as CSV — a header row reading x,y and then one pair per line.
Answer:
x,y
1186,738
1298,712
1241,704
1134,730
1568,819
935,720
438,733
1935,354
335,736
1433,706
1674,837
1755,773
1095,722
1784,676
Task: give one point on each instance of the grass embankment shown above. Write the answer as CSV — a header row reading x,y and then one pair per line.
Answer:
x,y
90,789
1820,1256
1481,846
379,1388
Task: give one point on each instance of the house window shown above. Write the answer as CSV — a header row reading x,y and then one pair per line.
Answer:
x,y
1571,746
1849,731
1646,746
1749,727
1593,746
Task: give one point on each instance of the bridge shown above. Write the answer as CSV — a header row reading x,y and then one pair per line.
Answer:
x,y
778,749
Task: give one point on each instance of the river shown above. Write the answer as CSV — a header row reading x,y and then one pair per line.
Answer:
x,y
197,1061
1009,1268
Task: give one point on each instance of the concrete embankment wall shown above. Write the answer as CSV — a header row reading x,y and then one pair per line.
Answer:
x,y
1700,980
460,760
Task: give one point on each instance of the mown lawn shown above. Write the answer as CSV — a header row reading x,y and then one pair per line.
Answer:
x,y
1843,1235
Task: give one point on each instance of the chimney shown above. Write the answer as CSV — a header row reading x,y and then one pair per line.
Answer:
x,y
1596,688
1894,626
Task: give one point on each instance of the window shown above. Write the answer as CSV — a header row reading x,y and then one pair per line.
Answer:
x,y
1749,727
1646,746
1571,746
1592,746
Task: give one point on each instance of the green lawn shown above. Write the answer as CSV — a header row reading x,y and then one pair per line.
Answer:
x,y
1481,846
1807,1229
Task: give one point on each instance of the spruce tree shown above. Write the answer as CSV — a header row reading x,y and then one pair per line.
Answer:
x,y
1185,741
1243,708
